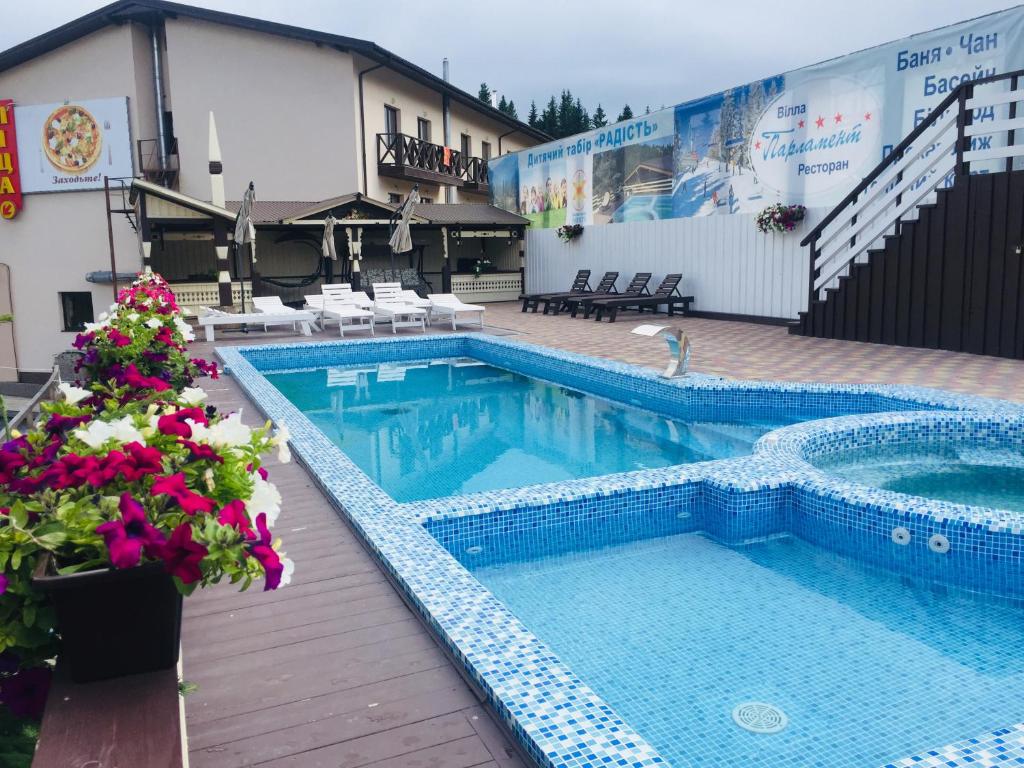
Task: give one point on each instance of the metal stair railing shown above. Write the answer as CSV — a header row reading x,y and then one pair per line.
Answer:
x,y
940,148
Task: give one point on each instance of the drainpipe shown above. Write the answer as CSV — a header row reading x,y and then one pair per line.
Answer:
x,y
506,133
158,88
362,123
446,120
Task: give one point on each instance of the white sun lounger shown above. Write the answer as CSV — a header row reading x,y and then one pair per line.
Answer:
x,y
347,316
450,306
389,306
273,306
298,319
342,292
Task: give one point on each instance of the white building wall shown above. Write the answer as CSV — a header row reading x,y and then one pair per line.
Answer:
x,y
58,237
727,265
283,108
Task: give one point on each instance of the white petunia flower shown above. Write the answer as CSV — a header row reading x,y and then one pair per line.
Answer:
x,y
281,438
98,433
184,328
265,498
72,394
154,322
289,570
230,432
192,395
132,316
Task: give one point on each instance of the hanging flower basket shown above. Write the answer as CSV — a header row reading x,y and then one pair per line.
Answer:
x,y
780,218
569,232
129,492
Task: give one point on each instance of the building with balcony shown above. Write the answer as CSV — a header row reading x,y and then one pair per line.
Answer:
x,y
304,115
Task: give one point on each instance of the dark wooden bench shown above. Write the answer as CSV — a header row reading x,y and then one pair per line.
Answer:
x,y
128,722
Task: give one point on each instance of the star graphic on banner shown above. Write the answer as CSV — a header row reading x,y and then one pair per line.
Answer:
x,y
820,122
838,118
800,124
867,115
757,145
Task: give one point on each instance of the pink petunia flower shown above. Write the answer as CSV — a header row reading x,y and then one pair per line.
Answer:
x,y
182,556
119,339
24,694
266,555
233,514
189,501
174,423
201,452
129,537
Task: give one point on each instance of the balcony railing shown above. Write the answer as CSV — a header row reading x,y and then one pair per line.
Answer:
x,y
408,157
165,174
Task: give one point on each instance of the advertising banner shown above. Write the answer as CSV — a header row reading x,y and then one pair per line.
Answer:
x,y
72,146
10,181
807,136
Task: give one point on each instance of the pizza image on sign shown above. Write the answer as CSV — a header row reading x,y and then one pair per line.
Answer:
x,y
71,138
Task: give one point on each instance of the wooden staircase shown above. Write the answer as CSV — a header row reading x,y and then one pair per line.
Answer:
x,y
926,250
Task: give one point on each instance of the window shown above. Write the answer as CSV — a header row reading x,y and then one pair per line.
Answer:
x,y
423,129
76,308
394,198
391,124
485,150
426,199
467,145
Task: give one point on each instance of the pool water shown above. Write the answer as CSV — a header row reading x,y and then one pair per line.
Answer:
x,y
424,430
675,632
986,477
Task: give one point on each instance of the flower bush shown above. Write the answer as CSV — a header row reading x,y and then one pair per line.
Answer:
x,y
780,218
568,232
131,466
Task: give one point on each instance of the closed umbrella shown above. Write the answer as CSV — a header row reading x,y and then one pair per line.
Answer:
x,y
401,237
328,249
245,232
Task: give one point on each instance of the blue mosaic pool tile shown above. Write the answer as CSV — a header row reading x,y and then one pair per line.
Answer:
x,y
554,715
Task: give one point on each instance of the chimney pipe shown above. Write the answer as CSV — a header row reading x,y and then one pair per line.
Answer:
x,y
446,119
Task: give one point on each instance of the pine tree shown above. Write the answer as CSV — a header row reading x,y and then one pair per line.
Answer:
x,y
503,104
485,93
625,114
531,119
511,110
600,119
582,117
549,118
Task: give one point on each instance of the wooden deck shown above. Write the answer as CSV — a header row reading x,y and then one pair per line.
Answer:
x,y
333,670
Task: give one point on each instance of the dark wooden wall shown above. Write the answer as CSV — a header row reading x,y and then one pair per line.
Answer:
x,y
952,279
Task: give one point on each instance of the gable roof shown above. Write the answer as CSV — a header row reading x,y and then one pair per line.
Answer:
x,y
475,214
150,11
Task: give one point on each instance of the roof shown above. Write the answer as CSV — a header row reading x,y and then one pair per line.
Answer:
x,y
149,11
467,213
289,211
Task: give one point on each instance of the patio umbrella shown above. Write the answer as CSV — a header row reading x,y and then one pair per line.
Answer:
x,y
401,237
245,232
328,249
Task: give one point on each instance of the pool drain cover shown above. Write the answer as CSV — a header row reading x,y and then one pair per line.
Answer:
x,y
758,717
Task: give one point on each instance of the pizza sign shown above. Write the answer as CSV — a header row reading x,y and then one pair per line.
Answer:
x,y
70,147
10,181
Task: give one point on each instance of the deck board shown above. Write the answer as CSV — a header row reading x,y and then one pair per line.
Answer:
x,y
333,670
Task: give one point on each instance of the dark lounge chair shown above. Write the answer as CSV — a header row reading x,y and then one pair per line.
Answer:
x,y
579,285
637,287
667,293
606,287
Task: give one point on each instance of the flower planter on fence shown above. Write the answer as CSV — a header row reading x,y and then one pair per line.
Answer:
x,y
114,622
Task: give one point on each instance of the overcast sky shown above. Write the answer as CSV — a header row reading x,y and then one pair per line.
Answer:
x,y
657,52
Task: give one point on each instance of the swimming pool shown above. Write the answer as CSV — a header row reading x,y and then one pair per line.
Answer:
x,y
730,511
425,429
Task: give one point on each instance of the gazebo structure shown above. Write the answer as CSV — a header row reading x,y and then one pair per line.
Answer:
x,y
470,249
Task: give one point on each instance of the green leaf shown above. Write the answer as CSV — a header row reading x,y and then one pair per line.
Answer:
x,y
28,615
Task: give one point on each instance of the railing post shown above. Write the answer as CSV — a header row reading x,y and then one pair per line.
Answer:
x,y
963,119
1013,114
810,284
399,149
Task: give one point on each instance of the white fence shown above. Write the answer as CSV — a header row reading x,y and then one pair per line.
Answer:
x,y
727,265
